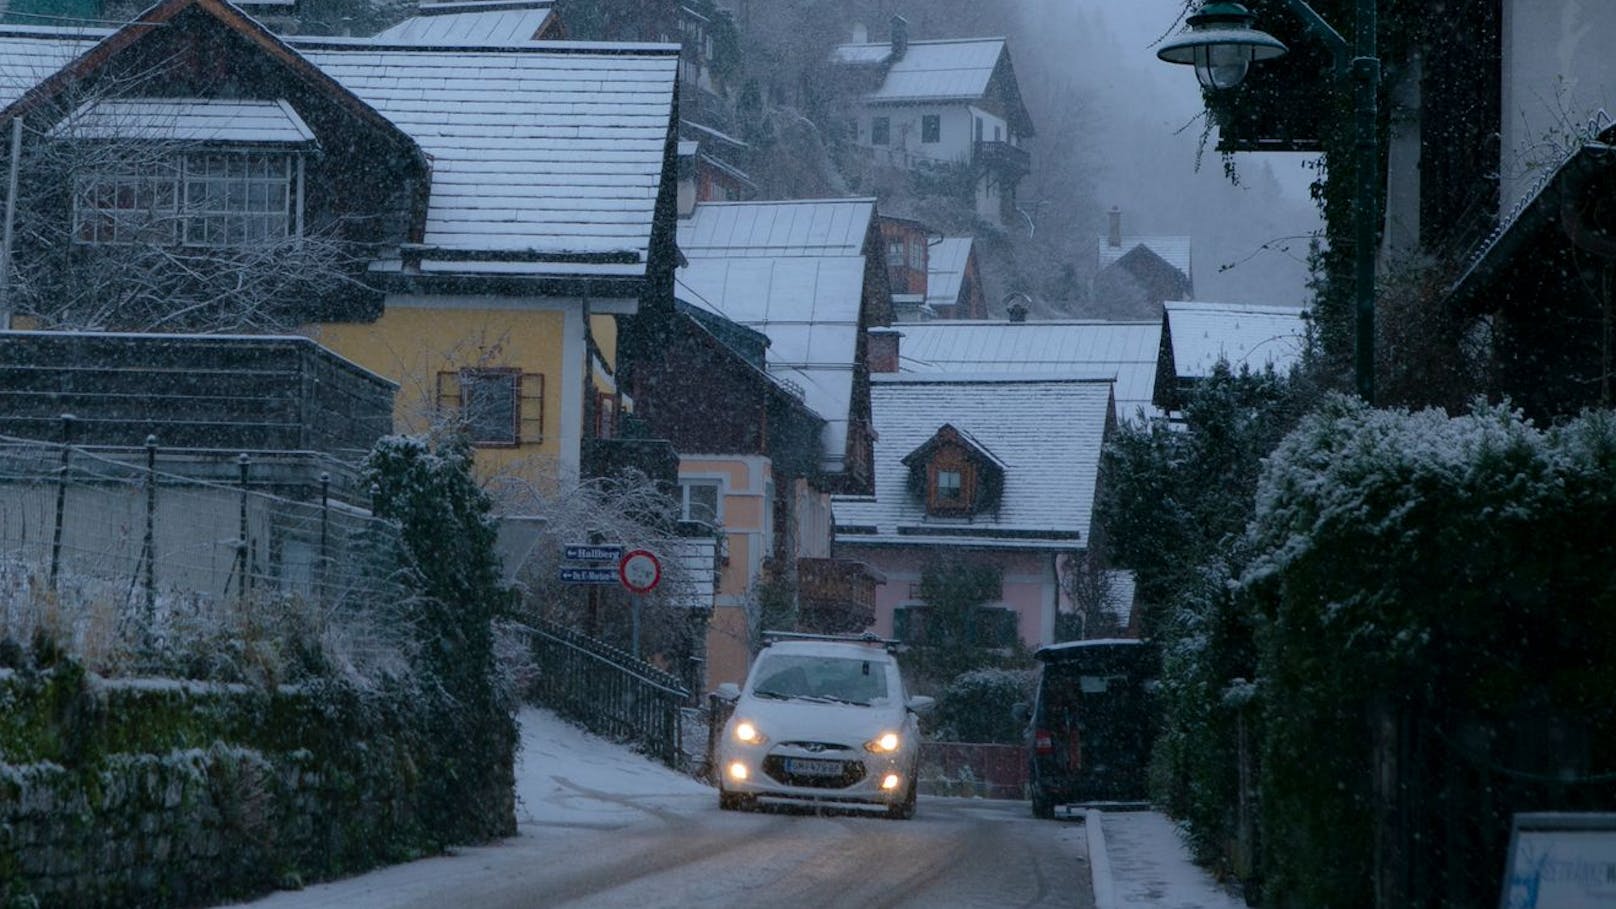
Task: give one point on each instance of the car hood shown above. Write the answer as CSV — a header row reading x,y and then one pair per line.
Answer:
x,y
803,720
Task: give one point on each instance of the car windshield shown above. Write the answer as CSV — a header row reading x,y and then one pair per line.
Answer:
x,y
837,680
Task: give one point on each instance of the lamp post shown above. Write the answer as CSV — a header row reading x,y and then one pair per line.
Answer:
x,y
1221,44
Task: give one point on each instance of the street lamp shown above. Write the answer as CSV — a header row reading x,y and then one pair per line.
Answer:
x,y
1221,44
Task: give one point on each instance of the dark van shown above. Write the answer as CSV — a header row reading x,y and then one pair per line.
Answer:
x,y
1092,724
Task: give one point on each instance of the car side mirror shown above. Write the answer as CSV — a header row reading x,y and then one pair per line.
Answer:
x,y
921,703
1022,711
729,691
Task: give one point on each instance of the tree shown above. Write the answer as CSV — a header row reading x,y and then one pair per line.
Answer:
x,y
953,634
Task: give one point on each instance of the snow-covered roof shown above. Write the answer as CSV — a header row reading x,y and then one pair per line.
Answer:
x,y
795,272
542,152
1047,431
226,120
487,24
1127,351
1175,251
1245,335
29,54
945,269
823,227
945,70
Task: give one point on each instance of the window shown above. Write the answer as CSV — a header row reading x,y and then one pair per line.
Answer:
x,y
217,199
489,405
949,484
997,132
880,131
701,501
931,128
979,129
895,254
497,407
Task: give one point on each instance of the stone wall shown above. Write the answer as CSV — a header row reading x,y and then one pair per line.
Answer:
x,y
162,793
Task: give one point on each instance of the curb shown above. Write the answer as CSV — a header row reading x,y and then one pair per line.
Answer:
x,y
1105,890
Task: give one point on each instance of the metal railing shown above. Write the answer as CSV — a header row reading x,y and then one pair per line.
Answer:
x,y
608,691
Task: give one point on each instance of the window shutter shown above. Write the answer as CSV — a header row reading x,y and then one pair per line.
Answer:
x,y
448,393
530,415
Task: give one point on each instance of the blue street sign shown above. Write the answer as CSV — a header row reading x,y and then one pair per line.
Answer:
x,y
587,575
586,553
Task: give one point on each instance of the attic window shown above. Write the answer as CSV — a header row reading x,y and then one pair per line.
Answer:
x,y
221,198
953,483
955,475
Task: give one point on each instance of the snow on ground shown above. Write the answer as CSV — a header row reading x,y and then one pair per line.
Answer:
x,y
1150,865
568,777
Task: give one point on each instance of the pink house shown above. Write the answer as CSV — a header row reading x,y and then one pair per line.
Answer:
x,y
999,468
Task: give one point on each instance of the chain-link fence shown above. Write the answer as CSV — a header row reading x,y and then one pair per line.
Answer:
x,y
129,548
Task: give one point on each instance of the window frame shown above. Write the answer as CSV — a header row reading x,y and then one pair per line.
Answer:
x,y
931,128
177,184
686,484
880,130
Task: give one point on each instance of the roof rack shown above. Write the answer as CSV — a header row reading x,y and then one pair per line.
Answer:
x,y
868,637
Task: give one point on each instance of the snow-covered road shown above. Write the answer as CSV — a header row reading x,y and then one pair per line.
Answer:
x,y
601,826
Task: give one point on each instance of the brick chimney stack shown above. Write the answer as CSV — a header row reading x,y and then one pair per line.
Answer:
x,y
881,350
1115,236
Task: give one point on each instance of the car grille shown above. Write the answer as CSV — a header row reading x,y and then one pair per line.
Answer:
x,y
852,772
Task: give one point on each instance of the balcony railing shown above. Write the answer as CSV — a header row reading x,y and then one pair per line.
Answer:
x,y
1011,160
836,596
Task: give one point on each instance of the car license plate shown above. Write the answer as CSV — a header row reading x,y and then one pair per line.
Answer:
x,y
811,767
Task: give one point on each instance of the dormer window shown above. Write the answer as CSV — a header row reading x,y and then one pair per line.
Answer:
x,y
954,474
213,173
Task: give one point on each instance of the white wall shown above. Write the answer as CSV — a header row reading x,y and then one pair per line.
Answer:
x,y
1558,71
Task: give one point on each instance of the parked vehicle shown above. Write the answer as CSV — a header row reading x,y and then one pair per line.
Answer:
x,y
1091,725
822,719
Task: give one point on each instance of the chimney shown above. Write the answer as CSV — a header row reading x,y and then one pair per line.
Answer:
x,y
861,35
900,37
1115,237
1018,311
881,350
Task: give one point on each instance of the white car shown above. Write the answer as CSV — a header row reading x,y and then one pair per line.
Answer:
x,y
822,719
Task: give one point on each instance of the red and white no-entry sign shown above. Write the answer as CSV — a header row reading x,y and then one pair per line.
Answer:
x,y
639,570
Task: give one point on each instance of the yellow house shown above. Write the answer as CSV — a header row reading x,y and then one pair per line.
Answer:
x,y
549,213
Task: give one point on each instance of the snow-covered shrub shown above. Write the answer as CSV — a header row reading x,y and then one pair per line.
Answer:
x,y
979,706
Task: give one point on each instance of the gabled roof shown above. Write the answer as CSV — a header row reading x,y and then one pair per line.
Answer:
x,y
1126,351
1244,335
551,154
794,271
949,432
945,269
485,23
953,69
1047,432
1175,251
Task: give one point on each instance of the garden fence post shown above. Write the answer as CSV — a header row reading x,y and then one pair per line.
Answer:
x,y
61,497
242,582
151,535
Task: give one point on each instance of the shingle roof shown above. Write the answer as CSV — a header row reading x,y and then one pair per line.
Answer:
x,y
794,271
1175,251
1047,431
1245,335
945,269
469,24
953,69
186,120
547,151
1126,351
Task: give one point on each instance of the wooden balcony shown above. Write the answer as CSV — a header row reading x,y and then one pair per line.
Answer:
x,y
1008,160
836,596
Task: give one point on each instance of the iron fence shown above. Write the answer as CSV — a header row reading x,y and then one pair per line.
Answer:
x,y
608,691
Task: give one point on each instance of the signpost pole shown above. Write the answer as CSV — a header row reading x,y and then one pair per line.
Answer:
x,y
635,613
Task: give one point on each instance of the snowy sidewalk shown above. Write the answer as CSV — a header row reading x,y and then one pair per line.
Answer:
x,y
1147,864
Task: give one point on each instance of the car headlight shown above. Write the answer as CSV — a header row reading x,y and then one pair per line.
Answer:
x,y
747,733
885,743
